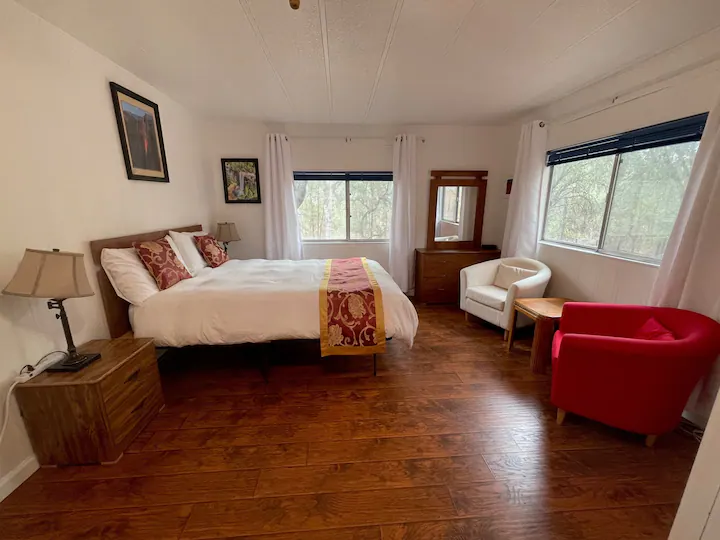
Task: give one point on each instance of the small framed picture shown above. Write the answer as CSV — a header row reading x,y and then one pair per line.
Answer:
x,y
138,121
241,180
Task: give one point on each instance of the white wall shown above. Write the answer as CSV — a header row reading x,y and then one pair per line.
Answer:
x,y
232,139
589,277
323,147
582,275
469,147
64,183
698,517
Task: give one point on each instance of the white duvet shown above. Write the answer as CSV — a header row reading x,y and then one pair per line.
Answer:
x,y
254,301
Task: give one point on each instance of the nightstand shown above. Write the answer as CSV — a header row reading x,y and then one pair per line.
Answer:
x,y
91,416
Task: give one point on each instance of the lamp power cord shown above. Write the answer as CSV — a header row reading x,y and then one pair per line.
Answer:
x,y
27,372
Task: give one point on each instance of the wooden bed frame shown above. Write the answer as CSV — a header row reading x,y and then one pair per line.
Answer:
x,y
116,309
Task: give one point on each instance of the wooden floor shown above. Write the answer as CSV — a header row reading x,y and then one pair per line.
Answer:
x,y
453,439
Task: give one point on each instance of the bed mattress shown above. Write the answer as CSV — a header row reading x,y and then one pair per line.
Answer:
x,y
254,301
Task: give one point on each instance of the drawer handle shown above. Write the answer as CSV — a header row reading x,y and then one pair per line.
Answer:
x,y
441,289
138,406
133,376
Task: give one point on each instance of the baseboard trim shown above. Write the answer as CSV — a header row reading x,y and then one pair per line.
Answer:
x,y
12,480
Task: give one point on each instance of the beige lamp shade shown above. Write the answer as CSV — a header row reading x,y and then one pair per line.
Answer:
x,y
50,274
226,232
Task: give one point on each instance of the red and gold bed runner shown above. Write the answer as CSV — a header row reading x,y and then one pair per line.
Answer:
x,y
352,320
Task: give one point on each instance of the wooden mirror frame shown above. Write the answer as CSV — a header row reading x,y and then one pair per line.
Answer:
x,y
476,179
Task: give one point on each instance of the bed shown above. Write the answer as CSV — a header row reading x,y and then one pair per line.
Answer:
x,y
242,301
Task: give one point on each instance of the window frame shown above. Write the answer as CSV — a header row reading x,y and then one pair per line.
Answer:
x,y
456,221
666,134
600,248
347,177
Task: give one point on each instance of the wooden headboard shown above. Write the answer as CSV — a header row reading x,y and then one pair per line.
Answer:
x,y
116,309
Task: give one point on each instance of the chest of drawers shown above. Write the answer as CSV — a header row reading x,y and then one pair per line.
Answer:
x,y
91,416
437,272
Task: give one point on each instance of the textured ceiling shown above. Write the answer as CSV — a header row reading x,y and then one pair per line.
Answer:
x,y
377,61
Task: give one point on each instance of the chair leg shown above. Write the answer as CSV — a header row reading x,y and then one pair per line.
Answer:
x,y
560,417
650,440
506,335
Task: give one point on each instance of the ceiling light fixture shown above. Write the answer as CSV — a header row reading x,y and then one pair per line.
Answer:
x,y
295,4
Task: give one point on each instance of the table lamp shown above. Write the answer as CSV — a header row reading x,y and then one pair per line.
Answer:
x,y
226,233
57,275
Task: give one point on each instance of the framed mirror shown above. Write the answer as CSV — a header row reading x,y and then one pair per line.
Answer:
x,y
456,209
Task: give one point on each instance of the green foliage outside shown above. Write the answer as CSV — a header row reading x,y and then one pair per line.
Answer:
x,y
647,196
648,193
322,209
576,205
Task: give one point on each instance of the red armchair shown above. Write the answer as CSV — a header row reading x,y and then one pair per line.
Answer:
x,y
603,372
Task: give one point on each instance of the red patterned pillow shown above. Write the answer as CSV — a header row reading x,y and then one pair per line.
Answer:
x,y
162,262
213,253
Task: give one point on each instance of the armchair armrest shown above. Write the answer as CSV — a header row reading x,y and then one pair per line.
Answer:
x,y
530,287
602,319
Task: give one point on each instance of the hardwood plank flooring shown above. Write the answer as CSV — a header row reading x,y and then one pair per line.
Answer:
x,y
562,494
459,444
454,439
37,497
635,523
174,461
158,523
358,533
320,511
248,435
587,462
370,475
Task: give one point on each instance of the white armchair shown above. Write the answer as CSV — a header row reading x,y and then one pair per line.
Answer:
x,y
480,297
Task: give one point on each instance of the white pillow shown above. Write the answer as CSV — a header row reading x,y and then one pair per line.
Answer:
x,y
176,249
188,251
507,275
128,275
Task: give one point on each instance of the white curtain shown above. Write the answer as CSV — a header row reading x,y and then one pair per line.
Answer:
x,y
689,275
522,225
402,228
282,230
468,205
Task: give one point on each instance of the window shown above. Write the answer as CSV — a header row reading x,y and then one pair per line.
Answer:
x,y
344,206
450,204
621,195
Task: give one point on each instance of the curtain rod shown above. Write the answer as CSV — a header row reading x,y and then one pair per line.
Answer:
x,y
615,102
347,139
680,76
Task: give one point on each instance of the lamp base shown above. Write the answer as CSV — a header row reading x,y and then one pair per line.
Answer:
x,y
74,363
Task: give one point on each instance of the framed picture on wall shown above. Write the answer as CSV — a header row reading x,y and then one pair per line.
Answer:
x,y
241,180
138,121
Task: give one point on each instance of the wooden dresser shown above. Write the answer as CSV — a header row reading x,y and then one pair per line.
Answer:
x,y
91,416
437,272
